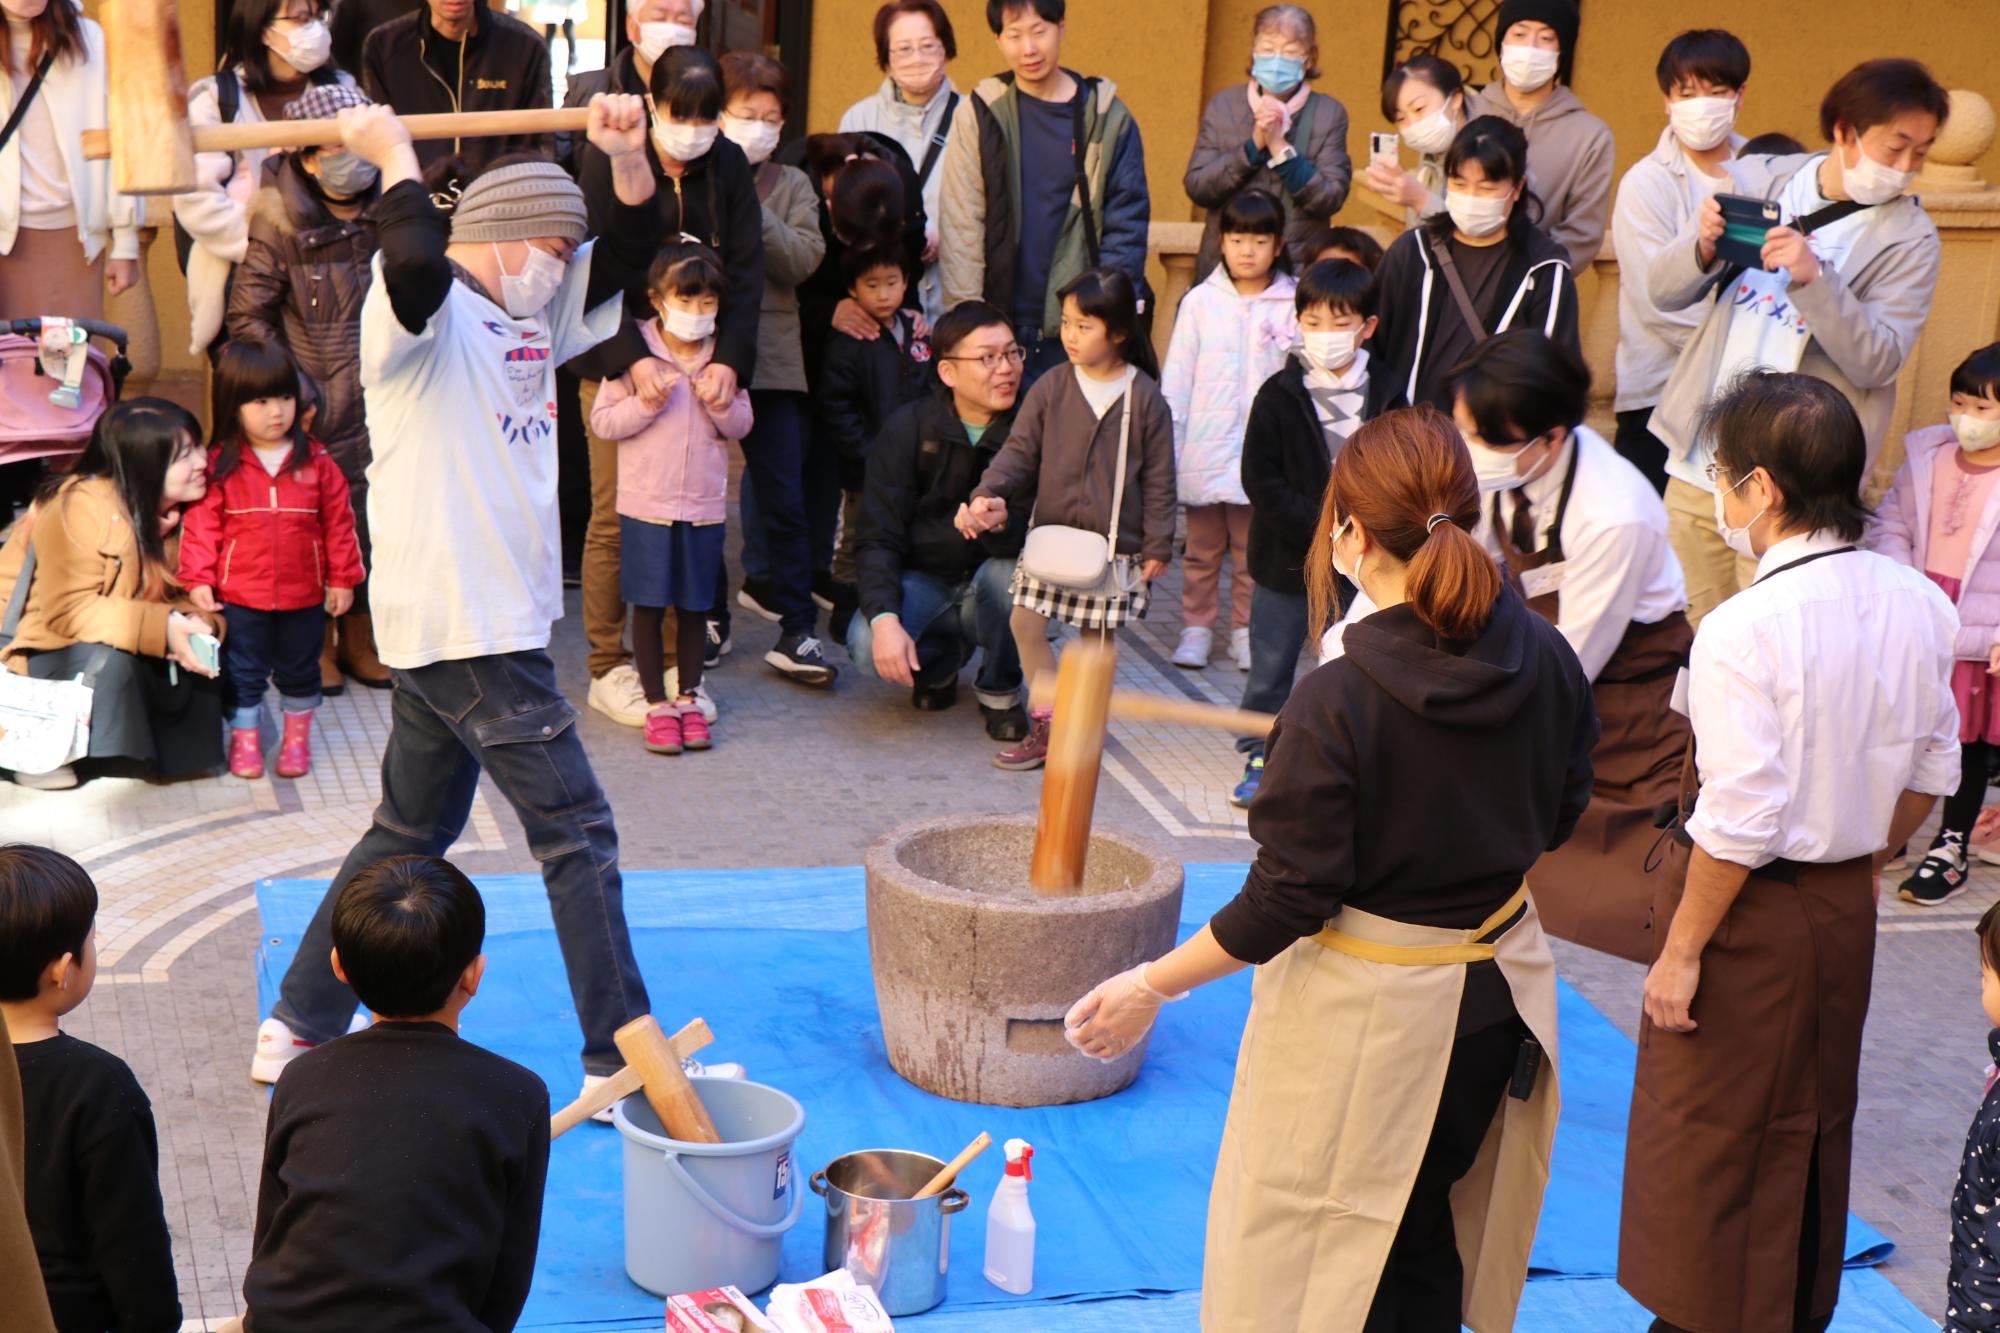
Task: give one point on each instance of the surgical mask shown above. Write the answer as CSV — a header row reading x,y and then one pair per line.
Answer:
x,y
1528,67
344,175
1353,576
655,39
1736,539
686,324
1433,134
1700,123
1331,350
1477,215
1495,470
305,48
1975,433
1278,74
757,138
525,293
683,143
1868,182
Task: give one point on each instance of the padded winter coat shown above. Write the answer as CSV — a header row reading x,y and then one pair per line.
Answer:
x,y
1225,345
272,543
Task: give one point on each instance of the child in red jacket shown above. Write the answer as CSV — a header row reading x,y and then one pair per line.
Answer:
x,y
271,546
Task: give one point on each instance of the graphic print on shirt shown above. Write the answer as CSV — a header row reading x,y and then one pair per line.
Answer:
x,y
1771,305
527,375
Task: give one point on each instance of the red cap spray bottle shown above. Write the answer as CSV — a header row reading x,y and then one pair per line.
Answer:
x,y
1010,1225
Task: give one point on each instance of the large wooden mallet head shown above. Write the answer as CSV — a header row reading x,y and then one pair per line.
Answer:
x,y
152,150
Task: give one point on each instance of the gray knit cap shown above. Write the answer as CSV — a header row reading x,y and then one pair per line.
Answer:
x,y
519,202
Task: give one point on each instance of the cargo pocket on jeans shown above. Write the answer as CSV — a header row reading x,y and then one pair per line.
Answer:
x,y
543,722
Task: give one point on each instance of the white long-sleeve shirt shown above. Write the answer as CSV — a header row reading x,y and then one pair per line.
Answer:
x,y
1617,566
1819,695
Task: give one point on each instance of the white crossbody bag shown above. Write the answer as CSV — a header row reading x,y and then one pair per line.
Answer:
x,y
1081,559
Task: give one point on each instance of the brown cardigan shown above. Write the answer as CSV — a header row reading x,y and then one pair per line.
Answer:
x,y
87,579
24,1304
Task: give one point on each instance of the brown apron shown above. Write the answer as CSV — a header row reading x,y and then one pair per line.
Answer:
x,y
1741,1133
1594,890
1337,1085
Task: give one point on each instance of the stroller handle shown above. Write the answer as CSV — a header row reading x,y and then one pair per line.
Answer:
x,y
96,328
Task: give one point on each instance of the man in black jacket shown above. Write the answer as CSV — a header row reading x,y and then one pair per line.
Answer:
x,y
652,28
929,596
460,55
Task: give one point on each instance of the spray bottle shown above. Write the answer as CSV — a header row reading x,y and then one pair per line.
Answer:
x,y
1010,1225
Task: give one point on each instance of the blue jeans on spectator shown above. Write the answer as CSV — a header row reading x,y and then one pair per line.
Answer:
x,y
504,714
1044,354
1277,637
948,621
281,647
777,545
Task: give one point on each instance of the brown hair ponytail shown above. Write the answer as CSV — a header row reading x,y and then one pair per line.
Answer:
x,y
1407,479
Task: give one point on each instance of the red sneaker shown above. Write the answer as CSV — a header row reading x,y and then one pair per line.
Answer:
x,y
695,734
295,755
663,729
1032,751
246,753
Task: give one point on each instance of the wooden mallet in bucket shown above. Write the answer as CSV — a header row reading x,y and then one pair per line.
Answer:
x,y
152,147
653,1066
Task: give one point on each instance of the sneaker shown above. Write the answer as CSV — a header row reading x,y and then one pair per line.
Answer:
x,y
822,590
1192,651
1033,749
663,729
719,644
56,779
801,657
1005,724
934,698
618,695
1239,648
694,727
295,756
704,702
758,597
1940,876
277,1046
694,1068
246,753
1246,790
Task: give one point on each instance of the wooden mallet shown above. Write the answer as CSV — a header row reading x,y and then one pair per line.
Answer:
x,y
152,147
673,1099
626,1081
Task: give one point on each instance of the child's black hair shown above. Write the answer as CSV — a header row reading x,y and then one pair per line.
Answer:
x,y
1340,284
47,905
406,928
246,370
1979,374
1989,937
1257,213
686,84
856,261
1520,385
1773,144
686,268
1107,294
1501,150
1367,251
1708,54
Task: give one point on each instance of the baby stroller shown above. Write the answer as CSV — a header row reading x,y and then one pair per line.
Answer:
x,y
50,415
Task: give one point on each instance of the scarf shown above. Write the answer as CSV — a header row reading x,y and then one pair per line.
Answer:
x,y
1287,107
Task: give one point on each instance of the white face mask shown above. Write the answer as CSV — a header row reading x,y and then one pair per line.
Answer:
x,y
1331,350
656,39
525,293
1528,67
1975,433
1495,470
1736,539
686,324
1700,123
1868,182
683,143
1353,576
1476,215
305,48
1432,134
757,138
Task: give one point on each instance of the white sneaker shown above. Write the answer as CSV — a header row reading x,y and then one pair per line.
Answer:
x,y
590,1081
56,779
1239,648
1192,651
277,1046
694,1068
618,695
704,702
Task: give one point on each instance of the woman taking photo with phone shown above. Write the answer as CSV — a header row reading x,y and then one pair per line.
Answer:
x,y
1453,695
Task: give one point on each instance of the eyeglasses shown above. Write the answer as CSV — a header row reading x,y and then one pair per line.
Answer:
x,y
1293,50
990,361
1715,472
906,51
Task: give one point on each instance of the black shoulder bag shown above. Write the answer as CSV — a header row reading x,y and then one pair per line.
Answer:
x,y
932,153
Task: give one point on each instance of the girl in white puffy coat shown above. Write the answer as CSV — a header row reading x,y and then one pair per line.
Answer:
x,y
1231,334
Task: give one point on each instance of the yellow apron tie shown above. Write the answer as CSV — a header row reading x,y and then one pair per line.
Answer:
x,y
1423,955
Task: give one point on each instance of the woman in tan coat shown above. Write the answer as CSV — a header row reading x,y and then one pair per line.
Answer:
x,y
101,600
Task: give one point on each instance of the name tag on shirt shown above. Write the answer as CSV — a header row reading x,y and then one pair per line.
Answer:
x,y
1544,580
1679,701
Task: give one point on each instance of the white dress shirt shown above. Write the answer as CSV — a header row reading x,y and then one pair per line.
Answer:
x,y
1617,566
1819,695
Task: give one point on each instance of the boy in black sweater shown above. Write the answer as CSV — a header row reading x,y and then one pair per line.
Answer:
x,y
93,1160
403,1166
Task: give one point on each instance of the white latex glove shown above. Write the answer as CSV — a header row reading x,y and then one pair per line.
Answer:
x,y
1115,1016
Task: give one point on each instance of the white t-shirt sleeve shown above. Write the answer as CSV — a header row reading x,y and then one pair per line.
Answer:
x,y
572,329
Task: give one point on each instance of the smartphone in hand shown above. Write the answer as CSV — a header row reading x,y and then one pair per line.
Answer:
x,y
1745,221
1384,145
207,650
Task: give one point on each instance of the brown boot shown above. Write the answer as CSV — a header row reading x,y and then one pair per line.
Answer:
x,y
330,682
1033,748
357,651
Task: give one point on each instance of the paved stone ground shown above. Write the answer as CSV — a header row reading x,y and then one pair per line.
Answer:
x,y
799,777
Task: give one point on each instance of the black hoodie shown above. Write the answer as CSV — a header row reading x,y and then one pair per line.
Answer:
x,y
1415,779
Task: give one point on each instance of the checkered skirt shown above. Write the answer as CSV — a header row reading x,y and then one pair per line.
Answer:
x,y
1086,610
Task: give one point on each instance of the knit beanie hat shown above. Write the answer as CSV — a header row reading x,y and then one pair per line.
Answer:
x,y
519,202
1558,14
323,101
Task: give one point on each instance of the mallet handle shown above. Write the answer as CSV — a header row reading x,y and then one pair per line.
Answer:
x,y
238,135
942,1180
1133,706
667,1089
625,1082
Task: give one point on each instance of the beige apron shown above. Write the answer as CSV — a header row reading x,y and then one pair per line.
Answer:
x,y
1337,1085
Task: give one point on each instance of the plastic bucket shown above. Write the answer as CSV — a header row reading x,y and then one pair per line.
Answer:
x,y
896,1244
701,1215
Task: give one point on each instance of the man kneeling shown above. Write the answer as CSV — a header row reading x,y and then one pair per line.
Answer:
x,y
929,597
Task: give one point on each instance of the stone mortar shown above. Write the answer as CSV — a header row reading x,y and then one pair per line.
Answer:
x,y
974,970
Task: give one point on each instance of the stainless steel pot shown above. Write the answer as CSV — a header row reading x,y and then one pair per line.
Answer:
x,y
896,1244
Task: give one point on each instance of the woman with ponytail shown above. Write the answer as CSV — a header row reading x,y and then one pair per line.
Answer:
x,y
1375,1086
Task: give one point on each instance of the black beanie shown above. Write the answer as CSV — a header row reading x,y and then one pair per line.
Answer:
x,y
1558,14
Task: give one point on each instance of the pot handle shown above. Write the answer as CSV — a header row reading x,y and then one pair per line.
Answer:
x,y
954,1201
728,1216
818,1183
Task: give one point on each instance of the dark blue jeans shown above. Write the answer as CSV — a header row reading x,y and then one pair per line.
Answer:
x,y
1277,637
776,547
281,647
504,714
948,621
1044,355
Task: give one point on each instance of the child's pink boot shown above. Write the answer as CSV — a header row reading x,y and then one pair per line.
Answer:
x,y
295,754
246,753
694,727
664,728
